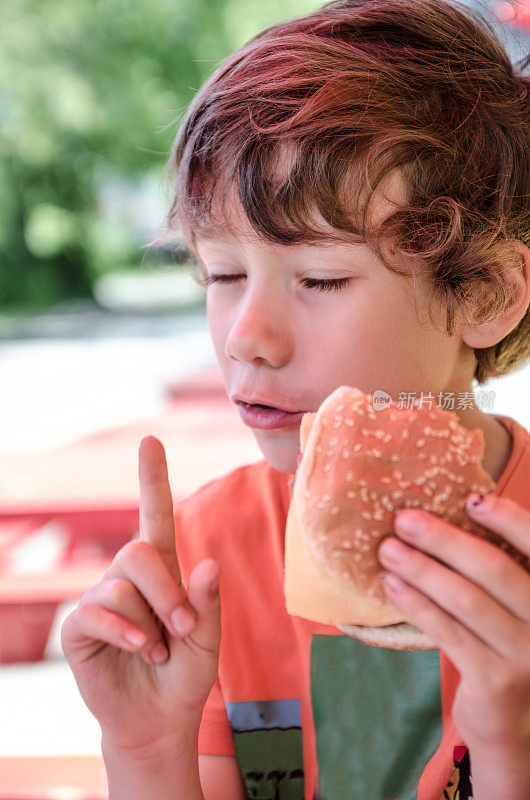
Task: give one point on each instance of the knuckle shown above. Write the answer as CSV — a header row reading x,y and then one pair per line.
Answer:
x,y
501,567
471,604
134,552
89,597
118,592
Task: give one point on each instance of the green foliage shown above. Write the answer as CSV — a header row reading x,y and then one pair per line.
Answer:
x,y
90,91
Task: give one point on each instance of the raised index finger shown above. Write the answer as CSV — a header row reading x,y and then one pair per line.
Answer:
x,y
157,525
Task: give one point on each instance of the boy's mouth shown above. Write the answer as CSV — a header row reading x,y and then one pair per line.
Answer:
x,y
259,402
265,417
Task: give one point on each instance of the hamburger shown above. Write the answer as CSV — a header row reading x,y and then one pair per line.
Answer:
x,y
356,468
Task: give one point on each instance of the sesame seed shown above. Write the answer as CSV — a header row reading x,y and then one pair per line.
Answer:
x,y
356,448
333,442
404,484
366,515
432,472
328,468
419,481
373,495
404,434
397,495
335,510
350,495
397,474
386,479
388,438
420,443
340,408
326,497
427,431
348,421
346,545
376,453
428,492
345,453
349,476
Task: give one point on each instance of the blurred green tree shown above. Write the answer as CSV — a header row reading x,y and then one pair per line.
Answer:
x,y
88,92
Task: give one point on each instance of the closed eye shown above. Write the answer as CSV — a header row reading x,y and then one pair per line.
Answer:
x,y
322,284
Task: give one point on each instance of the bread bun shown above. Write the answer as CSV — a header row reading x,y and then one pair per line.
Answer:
x,y
357,467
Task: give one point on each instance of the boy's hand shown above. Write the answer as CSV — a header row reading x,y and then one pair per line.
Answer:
x,y
473,601
140,670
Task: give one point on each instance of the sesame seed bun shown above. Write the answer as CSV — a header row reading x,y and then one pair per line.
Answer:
x,y
357,467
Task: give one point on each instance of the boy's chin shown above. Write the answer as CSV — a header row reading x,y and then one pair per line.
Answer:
x,y
281,451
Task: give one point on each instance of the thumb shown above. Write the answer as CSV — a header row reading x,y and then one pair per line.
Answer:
x,y
204,598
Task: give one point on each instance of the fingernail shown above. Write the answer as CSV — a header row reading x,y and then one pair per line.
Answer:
x,y
214,586
479,502
393,550
183,621
136,638
159,653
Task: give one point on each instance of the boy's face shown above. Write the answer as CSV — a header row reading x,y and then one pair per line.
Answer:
x,y
280,340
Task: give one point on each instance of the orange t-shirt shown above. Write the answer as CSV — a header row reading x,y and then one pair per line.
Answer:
x,y
287,690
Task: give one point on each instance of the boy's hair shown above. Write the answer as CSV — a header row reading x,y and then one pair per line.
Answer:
x,y
355,92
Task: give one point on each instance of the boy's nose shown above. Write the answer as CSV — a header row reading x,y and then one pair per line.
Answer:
x,y
261,332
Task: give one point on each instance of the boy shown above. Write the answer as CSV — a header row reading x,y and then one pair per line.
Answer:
x,y
354,185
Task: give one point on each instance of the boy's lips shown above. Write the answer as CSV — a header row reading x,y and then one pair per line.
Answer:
x,y
266,417
261,401
265,413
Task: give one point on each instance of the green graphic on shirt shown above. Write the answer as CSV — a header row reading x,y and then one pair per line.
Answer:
x,y
377,715
268,742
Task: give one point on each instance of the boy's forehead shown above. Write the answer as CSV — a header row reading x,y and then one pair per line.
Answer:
x,y
229,224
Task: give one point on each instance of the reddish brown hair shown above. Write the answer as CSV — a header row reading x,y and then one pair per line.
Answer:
x,y
357,90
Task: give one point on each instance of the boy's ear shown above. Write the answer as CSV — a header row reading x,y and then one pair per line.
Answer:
x,y
489,333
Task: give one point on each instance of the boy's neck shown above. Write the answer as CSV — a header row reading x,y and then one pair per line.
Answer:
x,y
499,442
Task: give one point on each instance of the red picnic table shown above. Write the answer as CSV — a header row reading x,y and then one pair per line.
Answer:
x,y
82,500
